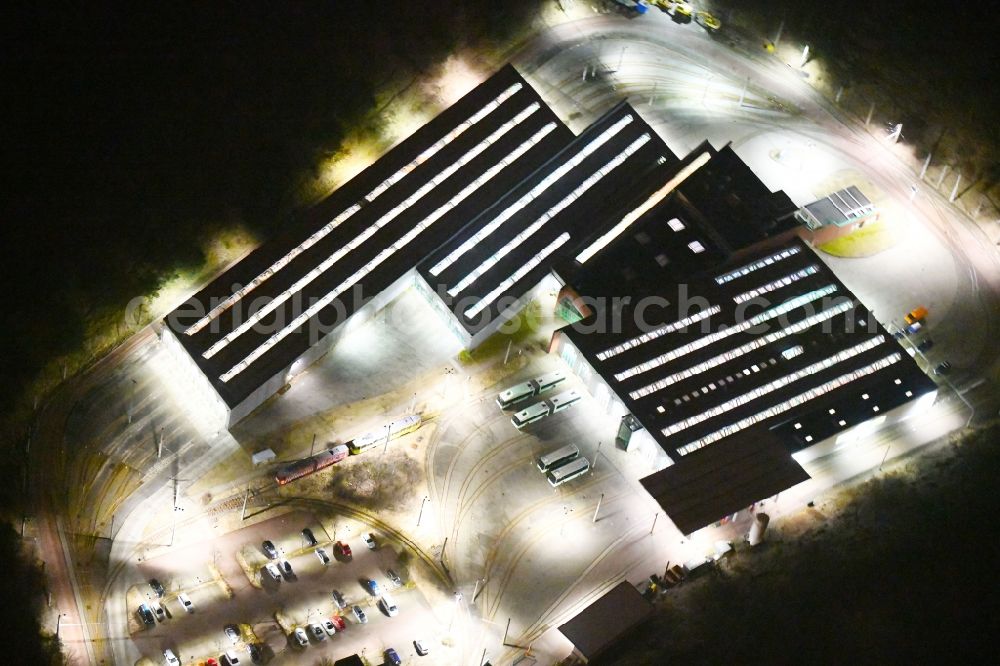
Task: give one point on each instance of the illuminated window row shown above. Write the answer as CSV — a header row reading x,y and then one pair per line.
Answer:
x,y
772,386
327,263
782,407
344,215
776,284
656,333
541,187
787,306
646,206
732,354
529,231
442,142
314,309
750,268
486,300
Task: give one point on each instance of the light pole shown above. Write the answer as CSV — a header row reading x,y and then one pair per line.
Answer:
x,y
421,514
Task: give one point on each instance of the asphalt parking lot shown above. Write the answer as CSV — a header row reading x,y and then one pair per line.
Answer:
x,y
212,576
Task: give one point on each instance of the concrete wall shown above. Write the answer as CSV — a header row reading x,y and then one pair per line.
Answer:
x,y
275,383
194,385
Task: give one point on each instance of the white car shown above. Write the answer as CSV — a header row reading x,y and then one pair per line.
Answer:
x,y
161,614
388,604
272,569
170,658
370,541
186,602
317,632
329,627
301,637
323,557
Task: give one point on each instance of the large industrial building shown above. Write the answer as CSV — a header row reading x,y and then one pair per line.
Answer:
x,y
696,314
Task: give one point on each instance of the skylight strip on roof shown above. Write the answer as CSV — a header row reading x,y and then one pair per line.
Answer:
x,y
761,263
652,201
776,284
732,354
552,212
770,387
327,263
314,309
344,215
783,407
704,341
656,333
535,192
486,300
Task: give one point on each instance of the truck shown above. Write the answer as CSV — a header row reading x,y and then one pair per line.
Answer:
x,y
915,315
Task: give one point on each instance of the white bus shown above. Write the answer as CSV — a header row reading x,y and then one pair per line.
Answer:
x,y
528,389
542,409
558,457
568,472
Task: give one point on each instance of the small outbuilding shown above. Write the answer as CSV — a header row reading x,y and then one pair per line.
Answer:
x,y
608,620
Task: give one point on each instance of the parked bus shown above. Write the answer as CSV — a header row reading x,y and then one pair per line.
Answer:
x,y
300,468
542,409
558,457
392,430
568,472
528,389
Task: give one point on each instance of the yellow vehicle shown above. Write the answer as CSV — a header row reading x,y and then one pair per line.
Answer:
x,y
707,21
683,9
664,5
915,315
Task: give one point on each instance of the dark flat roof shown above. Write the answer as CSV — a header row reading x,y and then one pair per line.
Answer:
x,y
604,622
472,168
719,480
580,192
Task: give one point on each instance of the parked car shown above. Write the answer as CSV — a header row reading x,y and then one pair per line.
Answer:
x,y
392,658
229,658
185,602
388,605
170,658
370,541
394,578
269,550
255,652
943,368
146,615
359,615
925,344
317,632
339,600
158,611
232,633
300,636
323,557
341,549
373,587
157,587
421,648
273,570
339,622
286,567
309,537
329,627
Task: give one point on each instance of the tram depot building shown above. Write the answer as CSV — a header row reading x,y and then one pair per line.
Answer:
x,y
695,313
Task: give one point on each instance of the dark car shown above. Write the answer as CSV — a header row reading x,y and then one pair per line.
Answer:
x,y
372,587
307,534
233,633
338,599
421,648
943,368
146,615
926,344
254,651
269,550
392,658
394,577
157,587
